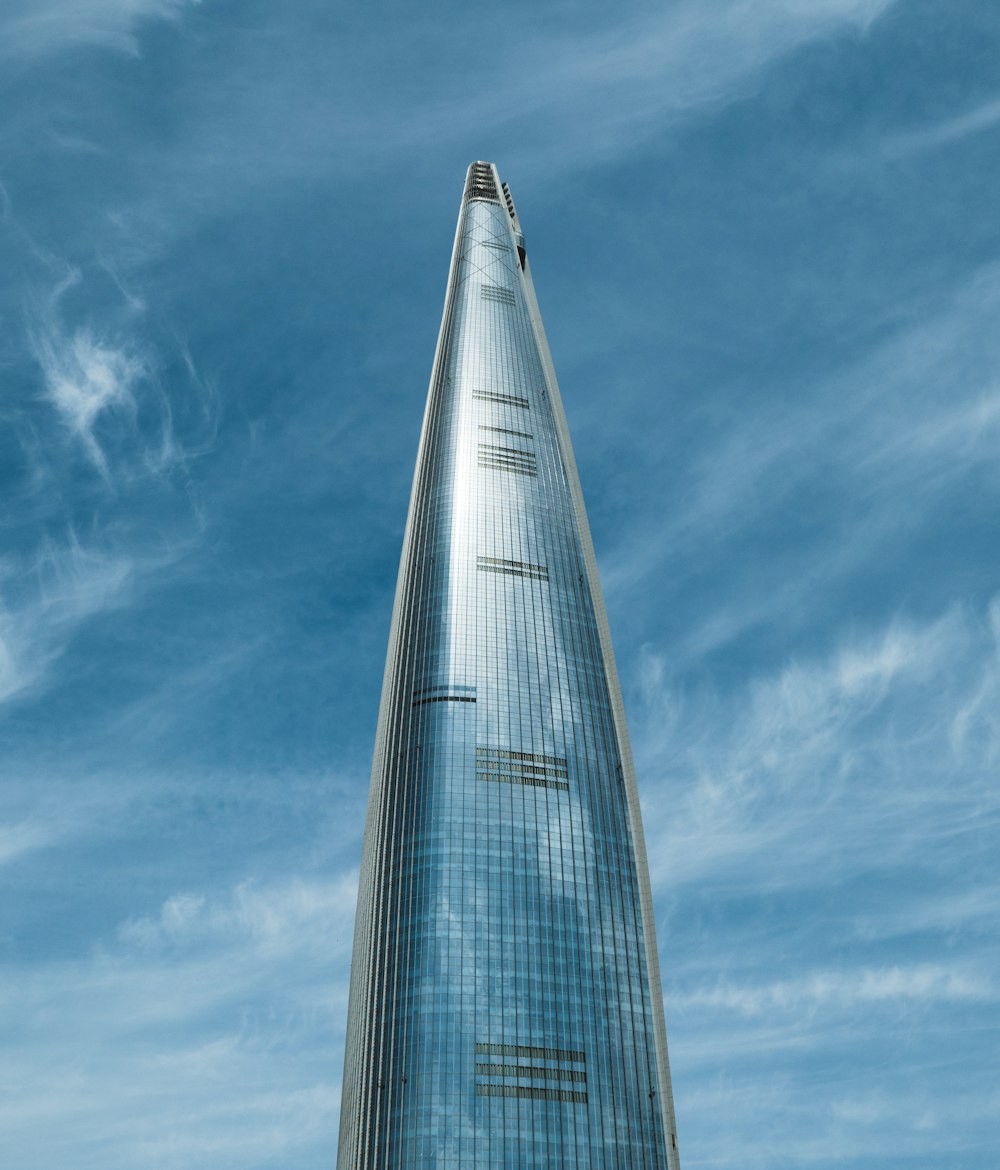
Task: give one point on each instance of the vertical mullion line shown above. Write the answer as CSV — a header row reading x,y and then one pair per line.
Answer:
x,y
486,591
574,624
394,1012
503,525
534,594
544,543
577,683
455,722
605,754
555,556
408,723
537,550
467,444
508,490
421,599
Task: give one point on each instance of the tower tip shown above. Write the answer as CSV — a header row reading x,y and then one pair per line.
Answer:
x,y
481,182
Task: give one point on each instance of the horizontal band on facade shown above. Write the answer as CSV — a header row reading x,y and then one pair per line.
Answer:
x,y
517,568
495,450
494,465
529,781
512,572
443,699
449,688
535,770
534,1071
511,462
569,1095
509,754
506,431
514,768
573,1055
507,455
504,399
485,560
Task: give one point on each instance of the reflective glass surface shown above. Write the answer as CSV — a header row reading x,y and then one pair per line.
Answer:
x,y
501,1012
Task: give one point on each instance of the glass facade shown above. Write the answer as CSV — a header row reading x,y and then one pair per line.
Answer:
x,y
505,1006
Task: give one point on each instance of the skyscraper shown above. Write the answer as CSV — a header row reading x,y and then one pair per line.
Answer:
x,y
505,1007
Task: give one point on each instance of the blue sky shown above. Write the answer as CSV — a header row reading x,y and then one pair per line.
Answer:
x,y
765,242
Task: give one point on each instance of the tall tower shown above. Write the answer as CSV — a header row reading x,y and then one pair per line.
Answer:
x,y
505,1007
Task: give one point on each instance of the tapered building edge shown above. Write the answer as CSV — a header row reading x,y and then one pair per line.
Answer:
x,y
621,727
353,1133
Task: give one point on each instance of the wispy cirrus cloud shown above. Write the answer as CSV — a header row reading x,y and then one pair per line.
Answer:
x,y
245,987
940,134
276,920
878,436
921,983
36,28
86,379
45,597
552,96
624,84
818,770
89,417
859,787
759,771
104,385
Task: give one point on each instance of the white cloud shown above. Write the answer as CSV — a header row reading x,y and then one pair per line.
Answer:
x,y
976,121
825,766
879,435
44,601
203,1033
822,839
583,96
691,53
275,920
22,838
561,96
100,396
86,378
843,990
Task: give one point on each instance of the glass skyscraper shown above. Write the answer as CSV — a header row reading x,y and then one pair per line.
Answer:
x,y
505,1008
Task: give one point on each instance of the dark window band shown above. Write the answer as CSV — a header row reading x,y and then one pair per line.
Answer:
x,y
514,768
515,568
516,469
505,399
527,781
443,699
506,431
508,754
532,1094
531,1070
571,1054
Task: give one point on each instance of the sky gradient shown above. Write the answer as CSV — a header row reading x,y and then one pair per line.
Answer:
x,y
765,244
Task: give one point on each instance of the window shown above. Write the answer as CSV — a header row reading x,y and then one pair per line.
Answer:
x,y
512,568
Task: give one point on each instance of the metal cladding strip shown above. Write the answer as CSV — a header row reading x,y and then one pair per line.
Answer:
x,y
621,725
